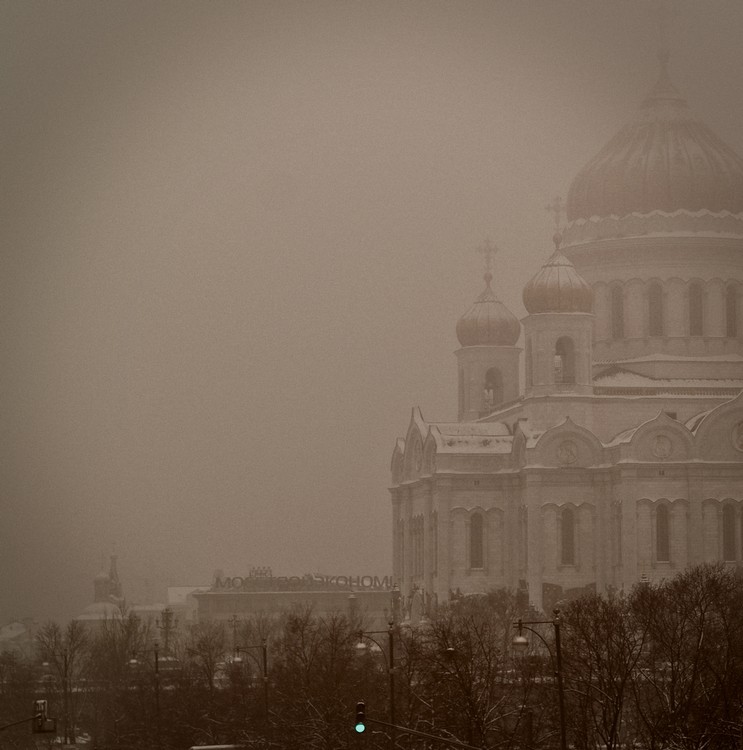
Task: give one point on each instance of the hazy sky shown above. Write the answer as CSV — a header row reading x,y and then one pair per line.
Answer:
x,y
236,239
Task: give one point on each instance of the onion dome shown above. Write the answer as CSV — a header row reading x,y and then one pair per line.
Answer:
x,y
488,322
664,159
558,288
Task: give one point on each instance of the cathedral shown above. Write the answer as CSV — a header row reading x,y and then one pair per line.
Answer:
x,y
613,453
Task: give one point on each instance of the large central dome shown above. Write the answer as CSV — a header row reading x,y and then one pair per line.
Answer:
x,y
664,160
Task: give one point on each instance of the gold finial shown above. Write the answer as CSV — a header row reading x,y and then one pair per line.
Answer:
x,y
488,249
557,209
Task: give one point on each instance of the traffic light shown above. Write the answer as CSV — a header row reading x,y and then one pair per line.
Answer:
x,y
360,725
40,708
41,722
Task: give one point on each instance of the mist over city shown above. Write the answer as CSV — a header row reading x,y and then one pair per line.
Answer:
x,y
238,237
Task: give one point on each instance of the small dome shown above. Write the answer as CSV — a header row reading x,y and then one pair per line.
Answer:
x,y
558,287
664,159
488,322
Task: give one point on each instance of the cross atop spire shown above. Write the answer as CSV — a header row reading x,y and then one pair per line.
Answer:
x,y
557,209
488,249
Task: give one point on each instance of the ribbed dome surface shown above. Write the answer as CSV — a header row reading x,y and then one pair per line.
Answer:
x,y
662,160
488,322
558,287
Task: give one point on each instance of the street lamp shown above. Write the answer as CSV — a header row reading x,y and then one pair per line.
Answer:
x,y
361,648
236,659
520,644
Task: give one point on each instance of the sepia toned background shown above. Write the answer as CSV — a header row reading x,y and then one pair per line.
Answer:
x,y
237,236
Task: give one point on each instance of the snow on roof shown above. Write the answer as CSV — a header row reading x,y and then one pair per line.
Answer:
x,y
475,444
626,379
673,358
472,437
473,428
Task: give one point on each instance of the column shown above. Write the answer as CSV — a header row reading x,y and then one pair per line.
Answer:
x,y
635,310
628,515
532,502
442,505
714,312
677,312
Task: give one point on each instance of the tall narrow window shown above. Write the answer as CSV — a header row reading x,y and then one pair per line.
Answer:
x,y
696,310
567,536
728,533
529,365
662,534
655,310
564,360
493,388
731,312
617,312
476,541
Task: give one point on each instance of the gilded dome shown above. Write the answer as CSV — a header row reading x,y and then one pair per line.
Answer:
x,y
664,159
488,322
558,287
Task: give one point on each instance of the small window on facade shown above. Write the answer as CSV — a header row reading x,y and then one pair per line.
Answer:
x,y
728,533
567,536
655,310
617,312
696,310
662,534
529,365
731,312
564,360
476,541
493,394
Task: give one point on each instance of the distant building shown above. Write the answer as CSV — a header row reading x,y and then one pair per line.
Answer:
x,y
620,455
108,599
261,593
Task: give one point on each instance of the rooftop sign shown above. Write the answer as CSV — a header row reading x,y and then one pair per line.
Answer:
x,y
307,582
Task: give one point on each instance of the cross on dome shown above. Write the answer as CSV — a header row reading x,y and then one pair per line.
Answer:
x,y
488,249
557,209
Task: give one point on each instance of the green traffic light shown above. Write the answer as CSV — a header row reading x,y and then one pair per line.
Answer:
x,y
360,727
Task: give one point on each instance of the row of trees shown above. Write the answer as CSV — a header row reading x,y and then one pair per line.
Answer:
x,y
660,667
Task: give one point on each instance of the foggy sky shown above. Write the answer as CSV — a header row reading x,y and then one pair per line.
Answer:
x,y
237,237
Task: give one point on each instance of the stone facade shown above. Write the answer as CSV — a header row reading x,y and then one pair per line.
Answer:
x,y
622,459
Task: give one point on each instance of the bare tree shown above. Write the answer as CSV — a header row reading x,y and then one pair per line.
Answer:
x,y
65,653
602,644
688,680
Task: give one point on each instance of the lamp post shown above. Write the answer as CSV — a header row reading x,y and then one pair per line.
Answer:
x,y
361,647
166,625
521,643
263,646
134,663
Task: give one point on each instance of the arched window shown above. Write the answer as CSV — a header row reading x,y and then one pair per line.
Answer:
x,y
617,312
493,388
655,310
529,364
696,310
728,533
662,534
731,312
476,541
567,536
564,361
